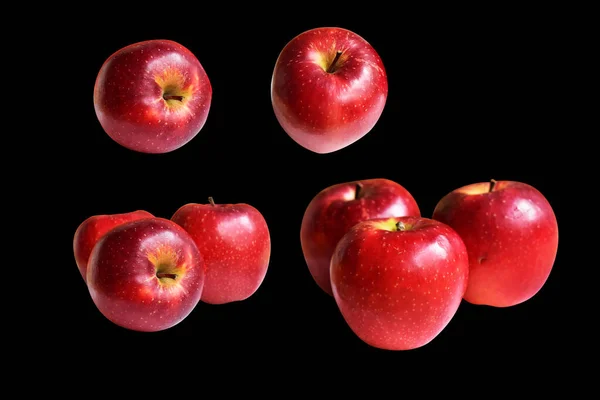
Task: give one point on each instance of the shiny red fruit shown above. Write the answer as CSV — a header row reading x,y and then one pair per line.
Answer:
x,y
399,281
152,96
146,275
236,246
328,89
511,234
336,209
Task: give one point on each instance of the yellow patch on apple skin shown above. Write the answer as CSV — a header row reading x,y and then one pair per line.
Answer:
x,y
163,255
165,260
481,188
324,58
386,225
175,94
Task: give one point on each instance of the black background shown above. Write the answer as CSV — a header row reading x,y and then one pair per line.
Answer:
x,y
471,97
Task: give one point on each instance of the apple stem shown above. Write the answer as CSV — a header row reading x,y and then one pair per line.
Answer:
x,y
492,185
172,97
400,226
359,187
332,66
160,275
211,201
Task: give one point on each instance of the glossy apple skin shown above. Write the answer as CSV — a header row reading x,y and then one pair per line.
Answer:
x,y
325,112
235,243
511,235
128,96
122,275
397,290
93,228
334,210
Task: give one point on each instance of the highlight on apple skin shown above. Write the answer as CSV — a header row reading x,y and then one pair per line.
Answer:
x,y
399,281
146,275
93,228
511,234
152,96
235,243
334,210
329,88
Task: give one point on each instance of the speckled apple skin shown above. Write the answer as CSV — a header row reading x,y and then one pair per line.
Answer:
x,y
399,290
122,275
334,210
511,235
93,228
325,112
235,243
128,96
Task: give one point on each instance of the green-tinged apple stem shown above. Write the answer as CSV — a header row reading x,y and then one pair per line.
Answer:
x,y
332,66
492,185
161,275
400,226
211,201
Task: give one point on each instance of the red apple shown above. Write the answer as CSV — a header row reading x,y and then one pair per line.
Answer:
x,y
152,96
146,275
328,88
235,243
336,209
399,281
511,234
93,228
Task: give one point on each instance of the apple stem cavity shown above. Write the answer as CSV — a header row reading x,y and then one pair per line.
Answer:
x,y
401,226
161,275
211,201
168,97
492,185
333,66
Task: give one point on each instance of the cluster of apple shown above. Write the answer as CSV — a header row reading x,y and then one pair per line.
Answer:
x,y
398,278
328,89
147,273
